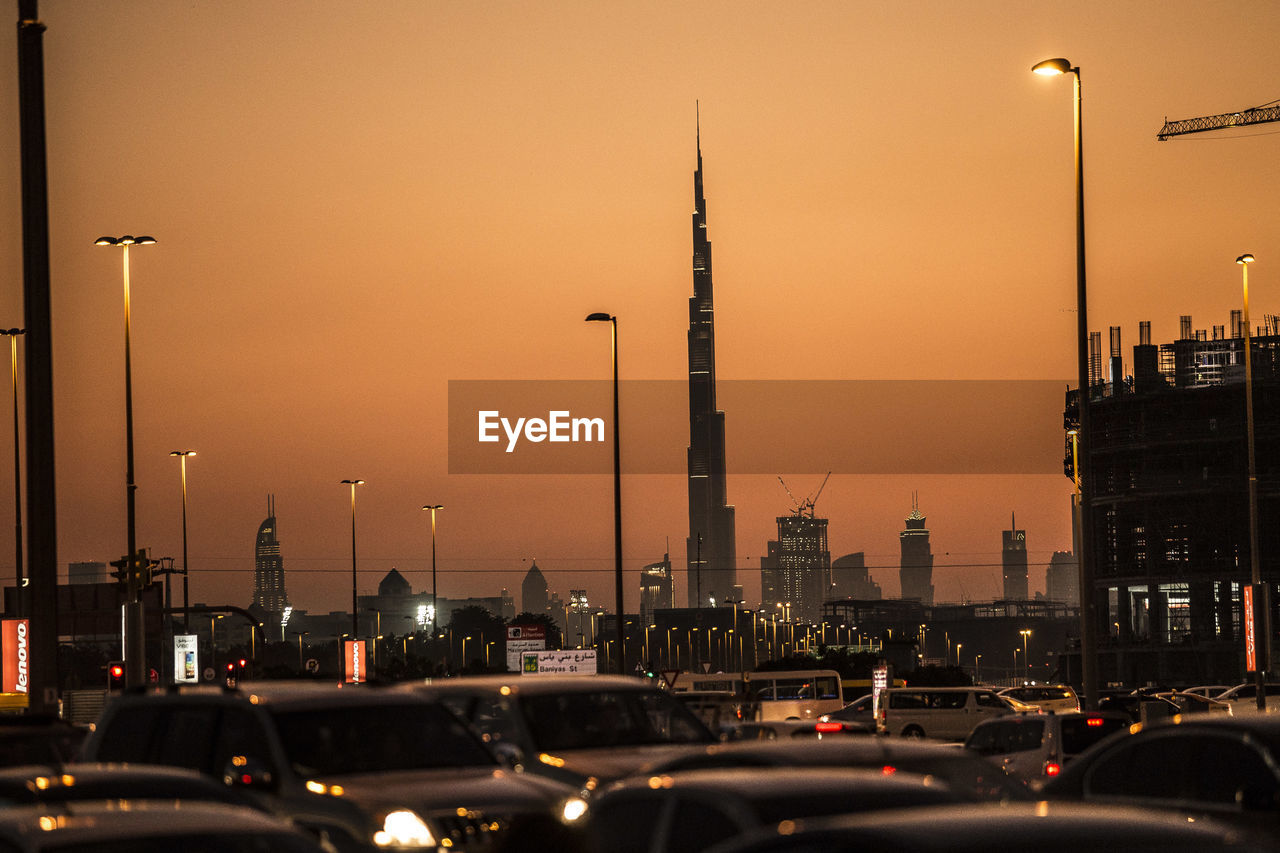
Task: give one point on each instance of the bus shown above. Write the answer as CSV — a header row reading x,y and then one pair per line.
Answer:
x,y
791,694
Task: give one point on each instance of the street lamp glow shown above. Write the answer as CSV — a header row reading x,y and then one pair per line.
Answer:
x,y
1246,258
1052,67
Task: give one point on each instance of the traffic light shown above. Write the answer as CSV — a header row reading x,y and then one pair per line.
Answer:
x,y
115,675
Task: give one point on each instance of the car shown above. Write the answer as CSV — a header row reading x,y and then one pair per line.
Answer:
x,y
1218,766
969,777
821,729
1194,703
149,826
1046,697
1140,706
38,739
857,711
582,730
1243,698
361,767
938,712
1037,746
691,810
1040,827
30,785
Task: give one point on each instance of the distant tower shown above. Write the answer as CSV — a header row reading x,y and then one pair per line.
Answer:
x,y
1014,558
1062,578
795,572
711,550
533,591
916,568
268,567
655,588
850,578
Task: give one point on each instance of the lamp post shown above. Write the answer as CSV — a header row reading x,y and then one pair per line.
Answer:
x,y
977,669
435,609
1088,628
186,611
617,493
1263,630
355,609
1026,658
17,470
134,624
301,663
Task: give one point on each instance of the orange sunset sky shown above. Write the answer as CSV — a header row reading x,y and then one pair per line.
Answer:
x,y
356,203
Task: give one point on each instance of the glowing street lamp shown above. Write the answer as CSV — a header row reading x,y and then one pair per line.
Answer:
x,y
355,608
1026,660
1088,629
434,607
601,317
134,624
186,611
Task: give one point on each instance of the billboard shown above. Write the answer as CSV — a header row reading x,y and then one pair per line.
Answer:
x,y
16,650
1250,635
521,639
186,662
355,661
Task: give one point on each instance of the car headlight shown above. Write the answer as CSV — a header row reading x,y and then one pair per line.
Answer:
x,y
573,809
403,828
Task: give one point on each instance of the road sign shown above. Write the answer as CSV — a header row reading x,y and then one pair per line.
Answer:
x,y
669,677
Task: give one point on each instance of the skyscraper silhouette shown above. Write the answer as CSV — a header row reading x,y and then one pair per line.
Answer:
x,y
268,566
916,568
711,550
1014,559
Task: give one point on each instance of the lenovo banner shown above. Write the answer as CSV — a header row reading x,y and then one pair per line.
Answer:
x,y
356,661
1250,637
17,647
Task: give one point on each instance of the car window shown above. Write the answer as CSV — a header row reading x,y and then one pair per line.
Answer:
x,y
1232,773
214,842
982,739
490,715
185,738
1020,735
991,700
126,735
627,823
609,718
374,738
241,734
1080,733
949,701
1148,768
907,701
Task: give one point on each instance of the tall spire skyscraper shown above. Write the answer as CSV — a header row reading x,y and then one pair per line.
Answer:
x,y
711,549
268,566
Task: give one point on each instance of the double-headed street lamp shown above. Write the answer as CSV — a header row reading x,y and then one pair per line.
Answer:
x,y
1088,627
1263,649
186,611
355,608
12,334
617,494
134,645
1026,658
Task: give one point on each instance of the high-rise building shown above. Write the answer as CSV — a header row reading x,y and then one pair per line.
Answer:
x,y
916,567
795,572
533,591
268,566
851,579
655,588
1013,558
1062,578
711,550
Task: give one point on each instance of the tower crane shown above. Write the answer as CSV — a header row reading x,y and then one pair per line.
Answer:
x,y
803,507
1253,115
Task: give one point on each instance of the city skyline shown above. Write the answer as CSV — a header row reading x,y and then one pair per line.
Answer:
x,y
350,212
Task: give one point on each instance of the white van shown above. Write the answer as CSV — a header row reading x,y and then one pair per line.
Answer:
x,y
949,713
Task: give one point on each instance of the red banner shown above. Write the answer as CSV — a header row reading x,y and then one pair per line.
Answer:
x,y
355,661
1250,642
17,649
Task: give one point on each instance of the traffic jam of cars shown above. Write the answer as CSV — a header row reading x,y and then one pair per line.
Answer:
x,y
615,764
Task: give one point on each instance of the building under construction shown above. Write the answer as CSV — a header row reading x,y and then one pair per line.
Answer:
x,y
1167,462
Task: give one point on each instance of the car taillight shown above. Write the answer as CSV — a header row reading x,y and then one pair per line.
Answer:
x,y
1093,722
828,727
888,770
1052,768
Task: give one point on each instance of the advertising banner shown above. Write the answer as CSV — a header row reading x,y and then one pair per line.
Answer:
x,y
186,661
17,647
521,639
355,661
1250,638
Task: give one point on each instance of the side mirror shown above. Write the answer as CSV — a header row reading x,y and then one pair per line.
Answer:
x,y
247,772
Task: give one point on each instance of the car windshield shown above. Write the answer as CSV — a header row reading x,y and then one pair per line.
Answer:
x,y
1080,733
609,718
377,738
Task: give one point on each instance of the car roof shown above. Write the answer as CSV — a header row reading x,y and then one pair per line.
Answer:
x,y
280,695
795,781
539,684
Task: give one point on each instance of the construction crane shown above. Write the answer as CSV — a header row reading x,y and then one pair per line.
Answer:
x,y
1253,115
803,507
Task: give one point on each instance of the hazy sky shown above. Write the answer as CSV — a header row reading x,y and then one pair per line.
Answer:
x,y
358,202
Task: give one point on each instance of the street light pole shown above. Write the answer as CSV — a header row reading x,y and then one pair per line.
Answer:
x,y
355,609
435,607
1088,621
186,606
134,621
1263,630
617,496
1026,659
19,588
